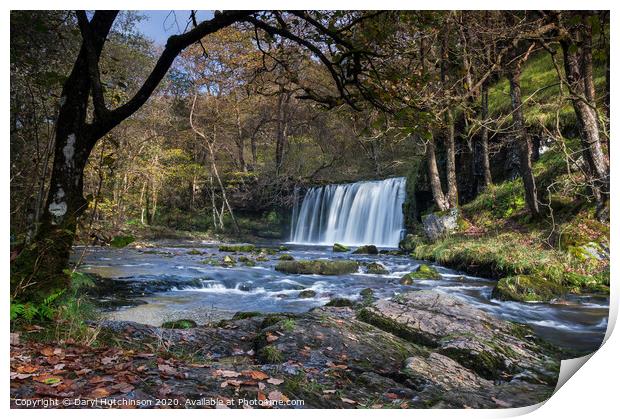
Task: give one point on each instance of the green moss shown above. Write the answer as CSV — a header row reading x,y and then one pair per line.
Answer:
x,y
340,248
340,302
237,248
122,241
286,257
179,324
409,243
427,272
240,315
318,267
527,288
288,325
194,252
370,316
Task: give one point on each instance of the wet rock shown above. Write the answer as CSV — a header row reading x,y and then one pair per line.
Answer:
x,y
286,257
340,248
318,267
407,279
485,344
369,249
376,268
422,272
307,294
228,261
194,252
527,288
339,302
367,293
440,224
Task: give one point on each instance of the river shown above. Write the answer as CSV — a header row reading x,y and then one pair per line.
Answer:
x,y
206,293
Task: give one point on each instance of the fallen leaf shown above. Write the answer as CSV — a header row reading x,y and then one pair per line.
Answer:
x,y
59,367
107,360
99,392
329,391
14,338
257,375
271,338
275,381
166,369
48,379
344,399
227,373
47,351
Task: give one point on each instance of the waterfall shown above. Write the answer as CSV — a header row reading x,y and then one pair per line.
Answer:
x,y
351,214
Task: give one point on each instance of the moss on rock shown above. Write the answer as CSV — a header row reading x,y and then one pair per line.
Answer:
x,y
376,268
179,324
286,256
527,288
369,249
340,248
340,302
237,248
318,267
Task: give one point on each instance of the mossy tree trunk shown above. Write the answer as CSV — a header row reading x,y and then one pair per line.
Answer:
x,y
522,139
441,201
577,51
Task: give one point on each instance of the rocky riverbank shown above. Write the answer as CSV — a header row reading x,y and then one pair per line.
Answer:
x,y
423,349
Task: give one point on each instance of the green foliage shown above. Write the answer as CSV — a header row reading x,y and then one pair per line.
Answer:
x,y
122,241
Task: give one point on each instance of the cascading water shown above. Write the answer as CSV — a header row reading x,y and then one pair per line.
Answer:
x,y
352,214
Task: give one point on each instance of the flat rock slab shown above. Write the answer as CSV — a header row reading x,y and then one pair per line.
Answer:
x,y
493,348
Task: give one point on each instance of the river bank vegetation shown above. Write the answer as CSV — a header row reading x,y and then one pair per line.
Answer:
x,y
498,121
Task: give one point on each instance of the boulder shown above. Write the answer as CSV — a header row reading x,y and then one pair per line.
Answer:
x,y
340,248
307,294
286,256
369,249
339,302
440,224
367,293
318,267
376,268
527,288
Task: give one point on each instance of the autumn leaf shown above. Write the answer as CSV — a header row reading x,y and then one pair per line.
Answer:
x,y
275,381
99,392
166,369
47,351
227,373
256,375
345,400
271,338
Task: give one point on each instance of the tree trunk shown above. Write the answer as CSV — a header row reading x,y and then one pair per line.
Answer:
x,y
240,141
39,269
484,137
433,175
598,167
281,126
452,195
522,141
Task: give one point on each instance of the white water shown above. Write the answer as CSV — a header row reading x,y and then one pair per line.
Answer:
x,y
352,214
